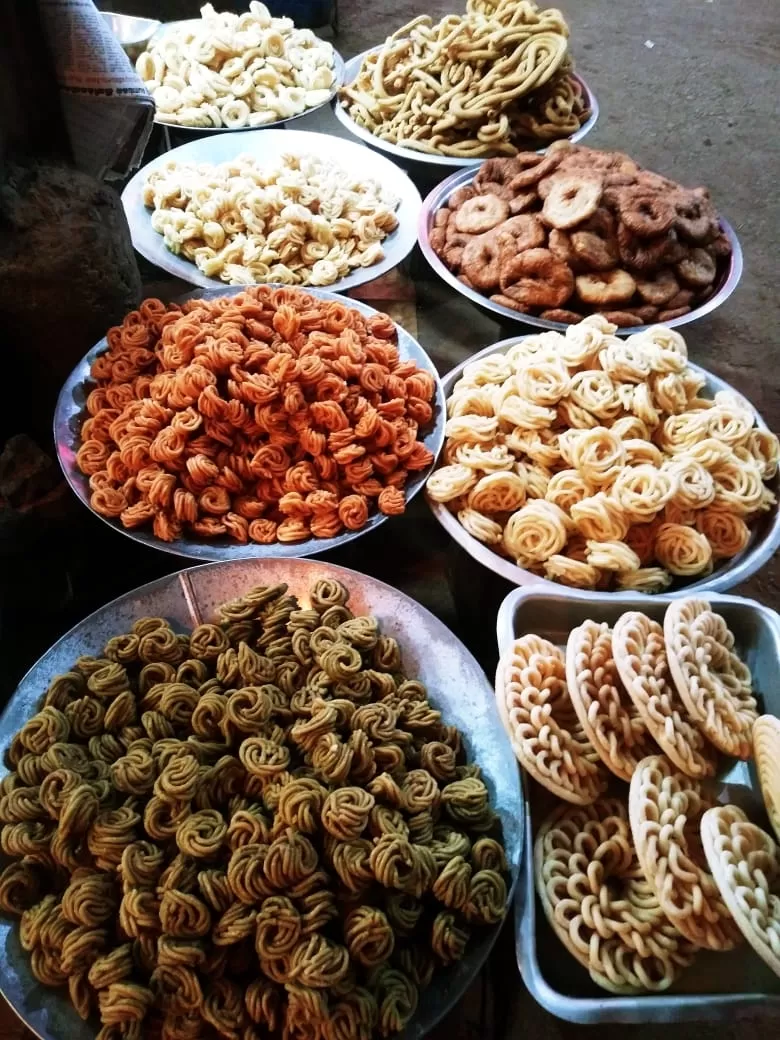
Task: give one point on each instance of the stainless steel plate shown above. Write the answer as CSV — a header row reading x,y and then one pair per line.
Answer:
x,y
457,686
269,146
722,986
351,69
70,412
764,540
338,69
729,273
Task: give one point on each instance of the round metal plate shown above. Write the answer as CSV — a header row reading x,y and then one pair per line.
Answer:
x,y
269,146
764,540
69,414
456,684
351,69
726,282
338,69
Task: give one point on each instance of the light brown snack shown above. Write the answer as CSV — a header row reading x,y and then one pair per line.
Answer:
x,y
713,683
541,723
485,82
608,716
664,808
766,749
640,656
536,278
571,199
600,905
745,863
606,288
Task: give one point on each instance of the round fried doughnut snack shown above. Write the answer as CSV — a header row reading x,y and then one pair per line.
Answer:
x,y
539,718
641,248
536,278
714,684
599,903
665,808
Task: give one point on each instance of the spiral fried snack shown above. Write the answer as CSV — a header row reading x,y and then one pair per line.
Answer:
x,y
766,750
607,714
745,863
541,723
640,657
596,461
268,416
600,905
261,826
472,85
713,683
665,809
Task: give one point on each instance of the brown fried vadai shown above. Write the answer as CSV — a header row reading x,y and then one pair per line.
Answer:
x,y
635,241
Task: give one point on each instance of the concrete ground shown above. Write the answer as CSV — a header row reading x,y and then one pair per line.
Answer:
x,y
689,89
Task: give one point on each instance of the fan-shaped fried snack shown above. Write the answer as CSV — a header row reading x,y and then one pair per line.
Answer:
x,y
713,683
640,657
541,723
266,827
745,863
607,714
766,750
665,809
600,905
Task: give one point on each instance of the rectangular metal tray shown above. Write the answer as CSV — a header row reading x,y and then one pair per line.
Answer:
x,y
718,986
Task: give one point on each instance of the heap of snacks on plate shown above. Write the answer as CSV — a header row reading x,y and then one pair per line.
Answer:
x,y
298,220
485,83
672,872
578,231
594,460
234,71
270,415
261,825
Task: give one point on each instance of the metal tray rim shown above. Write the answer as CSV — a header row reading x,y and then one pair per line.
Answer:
x,y
255,574
351,69
396,247
70,407
606,1008
439,195
737,570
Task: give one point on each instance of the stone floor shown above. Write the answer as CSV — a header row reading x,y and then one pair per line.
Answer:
x,y
689,90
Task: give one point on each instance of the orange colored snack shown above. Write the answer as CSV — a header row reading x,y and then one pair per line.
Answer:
x,y
267,416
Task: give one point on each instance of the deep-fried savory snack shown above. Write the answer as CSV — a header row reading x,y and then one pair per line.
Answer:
x,y
270,415
485,83
259,826
598,462
608,237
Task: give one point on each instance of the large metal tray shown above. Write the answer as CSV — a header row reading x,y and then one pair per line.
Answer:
x,y
200,131
728,278
764,541
69,414
351,69
456,684
269,146
722,986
